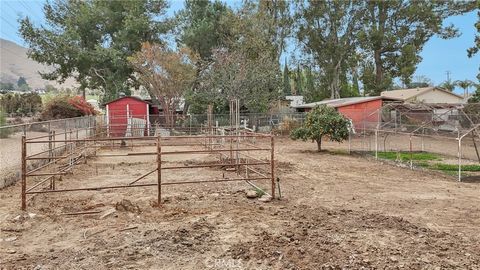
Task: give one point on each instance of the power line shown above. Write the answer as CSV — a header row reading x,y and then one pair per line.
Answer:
x,y
448,73
27,8
9,23
8,35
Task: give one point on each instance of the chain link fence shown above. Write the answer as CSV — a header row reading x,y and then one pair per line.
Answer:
x,y
11,136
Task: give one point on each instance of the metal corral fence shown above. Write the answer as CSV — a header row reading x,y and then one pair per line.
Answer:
x,y
81,127
11,136
445,138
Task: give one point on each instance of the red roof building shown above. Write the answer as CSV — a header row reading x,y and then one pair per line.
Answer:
x,y
363,111
122,111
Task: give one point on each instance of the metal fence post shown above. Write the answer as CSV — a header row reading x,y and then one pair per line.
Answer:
x,y
24,173
411,153
459,159
349,142
159,170
272,164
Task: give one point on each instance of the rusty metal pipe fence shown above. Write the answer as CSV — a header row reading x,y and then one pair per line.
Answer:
x,y
11,142
237,152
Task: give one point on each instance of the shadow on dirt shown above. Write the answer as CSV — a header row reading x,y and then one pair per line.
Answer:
x,y
471,179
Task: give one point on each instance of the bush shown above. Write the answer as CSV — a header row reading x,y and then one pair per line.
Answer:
x,y
21,104
287,125
4,132
81,104
63,106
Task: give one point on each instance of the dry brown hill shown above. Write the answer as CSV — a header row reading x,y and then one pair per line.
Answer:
x,y
15,63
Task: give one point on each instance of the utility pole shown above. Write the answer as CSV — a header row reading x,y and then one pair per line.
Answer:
x,y
448,75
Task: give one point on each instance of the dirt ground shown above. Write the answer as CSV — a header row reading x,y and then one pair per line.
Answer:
x,y
336,212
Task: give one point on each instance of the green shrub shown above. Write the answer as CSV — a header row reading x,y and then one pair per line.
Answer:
x,y
4,132
21,104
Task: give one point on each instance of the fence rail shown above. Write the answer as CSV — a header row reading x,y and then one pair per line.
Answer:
x,y
11,136
384,130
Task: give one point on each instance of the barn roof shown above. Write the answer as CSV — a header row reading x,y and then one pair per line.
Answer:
x,y
341,102
405,94
134,97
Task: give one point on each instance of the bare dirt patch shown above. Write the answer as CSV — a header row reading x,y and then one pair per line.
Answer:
x,y
338,211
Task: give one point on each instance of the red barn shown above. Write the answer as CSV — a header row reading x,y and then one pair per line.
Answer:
x,y
363,111
124,111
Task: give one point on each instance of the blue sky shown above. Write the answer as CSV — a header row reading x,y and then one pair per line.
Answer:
x,y
439,56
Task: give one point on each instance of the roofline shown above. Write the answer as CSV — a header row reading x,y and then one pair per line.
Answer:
x,y
137,98
367,99
425,90
449,92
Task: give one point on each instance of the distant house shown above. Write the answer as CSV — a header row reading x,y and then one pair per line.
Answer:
x,y
290,101
430,95
294,100
362,111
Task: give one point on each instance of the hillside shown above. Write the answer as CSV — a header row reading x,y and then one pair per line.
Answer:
x,y
15,63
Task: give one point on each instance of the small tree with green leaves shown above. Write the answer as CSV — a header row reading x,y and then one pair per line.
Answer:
x,y
321,122
4,132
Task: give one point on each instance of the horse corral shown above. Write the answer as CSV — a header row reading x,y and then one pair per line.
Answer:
x,y
238,155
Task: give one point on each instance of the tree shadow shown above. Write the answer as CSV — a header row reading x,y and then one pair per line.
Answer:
x,y
471,179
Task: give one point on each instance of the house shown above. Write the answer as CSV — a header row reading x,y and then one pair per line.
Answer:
x,y
125,112
290,102
362,111
430,95
294,100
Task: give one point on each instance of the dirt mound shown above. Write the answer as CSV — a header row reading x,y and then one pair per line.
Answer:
x,y
317,238
127,206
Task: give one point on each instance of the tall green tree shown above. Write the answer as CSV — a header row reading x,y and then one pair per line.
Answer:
x,y
203,26
21,81
465,85
245,65
277,20
91,40
473,51
476,47
299,81
395,32
367,76
166,75
328,31
287,88
233,75
313,91
448,85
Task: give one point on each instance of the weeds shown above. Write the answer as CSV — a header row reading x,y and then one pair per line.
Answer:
x,y
407,156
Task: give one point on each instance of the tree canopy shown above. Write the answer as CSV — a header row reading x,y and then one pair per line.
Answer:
x,y
322,121
345,46
91,40
166,75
